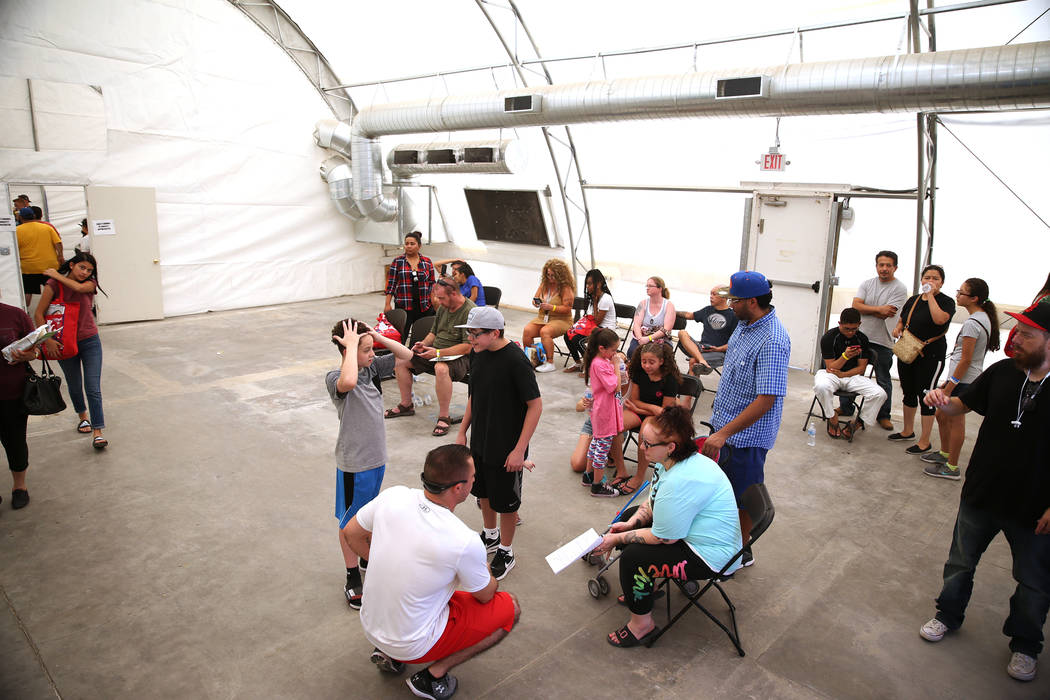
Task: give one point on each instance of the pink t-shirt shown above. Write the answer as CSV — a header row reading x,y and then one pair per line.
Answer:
x,y
606,413
86,320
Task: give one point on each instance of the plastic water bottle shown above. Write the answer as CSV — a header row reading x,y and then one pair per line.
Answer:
x,y
925,288
811,435
417,400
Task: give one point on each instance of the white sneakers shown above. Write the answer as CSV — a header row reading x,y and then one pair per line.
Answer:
x,y
1021,666
933,631
546,367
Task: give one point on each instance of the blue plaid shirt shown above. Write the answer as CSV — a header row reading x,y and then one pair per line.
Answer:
x,y
756,364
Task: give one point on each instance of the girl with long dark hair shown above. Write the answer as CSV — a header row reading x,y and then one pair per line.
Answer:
x,y
599,307
76,281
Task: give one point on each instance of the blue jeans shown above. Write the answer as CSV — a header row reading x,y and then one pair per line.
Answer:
x,y
883,362
974,530
90,356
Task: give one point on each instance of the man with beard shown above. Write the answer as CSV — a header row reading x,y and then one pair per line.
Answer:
x,y
1007,489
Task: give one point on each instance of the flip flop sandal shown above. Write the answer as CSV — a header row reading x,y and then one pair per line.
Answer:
x,y
84,427
625,639
623,487
835,435
400,411
441,431
99,443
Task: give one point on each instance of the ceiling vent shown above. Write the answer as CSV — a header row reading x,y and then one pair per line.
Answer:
x,y
521,104
751,86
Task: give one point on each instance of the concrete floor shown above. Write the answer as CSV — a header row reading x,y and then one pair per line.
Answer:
x,y
197,556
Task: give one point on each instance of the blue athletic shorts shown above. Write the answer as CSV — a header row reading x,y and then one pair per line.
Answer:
x,y
353,490
744,466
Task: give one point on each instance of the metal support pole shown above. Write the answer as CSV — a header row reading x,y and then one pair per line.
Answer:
x,y
32,114
931,130
920,197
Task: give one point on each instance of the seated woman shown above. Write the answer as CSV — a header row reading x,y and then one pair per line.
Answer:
x,y
655,382
469,285
687,529
654,318
554,299
599,307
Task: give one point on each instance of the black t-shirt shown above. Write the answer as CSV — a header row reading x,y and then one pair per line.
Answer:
x,y
833,344
654,392
922,325
1009,470
501,382
14,324
719,324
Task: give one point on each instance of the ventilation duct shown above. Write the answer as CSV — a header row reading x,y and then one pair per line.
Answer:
x,y
497,156
336,172
984,79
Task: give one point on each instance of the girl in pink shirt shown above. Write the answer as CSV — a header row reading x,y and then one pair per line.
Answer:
x,y
603,378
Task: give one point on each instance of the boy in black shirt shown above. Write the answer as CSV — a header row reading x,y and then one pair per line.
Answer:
x,y
1007,489
504,407
846,351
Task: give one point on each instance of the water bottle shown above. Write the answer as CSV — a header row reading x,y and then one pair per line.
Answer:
x,y
417,400
925,288
811,435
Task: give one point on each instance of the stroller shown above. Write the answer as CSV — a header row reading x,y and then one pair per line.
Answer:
x,y
597,585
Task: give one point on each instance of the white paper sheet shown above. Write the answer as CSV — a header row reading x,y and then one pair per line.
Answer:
x,y
561,557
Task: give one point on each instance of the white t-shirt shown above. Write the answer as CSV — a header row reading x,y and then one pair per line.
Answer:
x,y
605,304
875,292
419,552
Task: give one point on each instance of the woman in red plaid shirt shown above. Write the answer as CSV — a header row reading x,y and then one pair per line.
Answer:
x,y
409,281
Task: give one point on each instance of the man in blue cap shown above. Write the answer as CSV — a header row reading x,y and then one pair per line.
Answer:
x,y
750,399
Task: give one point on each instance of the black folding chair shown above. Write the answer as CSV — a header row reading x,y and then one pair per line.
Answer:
x,y
420,329
492,296
755,500
625,311
871,357
579,307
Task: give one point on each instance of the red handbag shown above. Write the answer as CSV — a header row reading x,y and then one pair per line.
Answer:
x,y
585,326
386,329
62,316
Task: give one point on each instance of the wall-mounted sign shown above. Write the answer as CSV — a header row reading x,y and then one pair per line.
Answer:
x,y
104,227
7,223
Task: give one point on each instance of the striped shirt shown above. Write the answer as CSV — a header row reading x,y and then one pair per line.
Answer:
x,y
756,364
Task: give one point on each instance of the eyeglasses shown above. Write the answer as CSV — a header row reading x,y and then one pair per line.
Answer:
x,y
446,283
649,445
477,332
965,294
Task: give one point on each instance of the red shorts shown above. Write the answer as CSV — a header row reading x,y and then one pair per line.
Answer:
x,y
468,623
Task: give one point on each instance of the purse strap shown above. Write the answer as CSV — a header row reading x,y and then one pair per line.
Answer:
x,y
908,323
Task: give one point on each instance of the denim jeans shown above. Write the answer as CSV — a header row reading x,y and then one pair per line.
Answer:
x,y
883,363
90,356
974,530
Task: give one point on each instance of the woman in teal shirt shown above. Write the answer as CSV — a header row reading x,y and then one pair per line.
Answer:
x,y
687,529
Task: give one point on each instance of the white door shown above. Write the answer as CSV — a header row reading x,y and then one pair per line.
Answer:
x,y
10,268
122,223
791,240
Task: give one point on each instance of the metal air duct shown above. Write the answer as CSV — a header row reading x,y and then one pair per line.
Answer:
x,y
991,79
336,172
495,156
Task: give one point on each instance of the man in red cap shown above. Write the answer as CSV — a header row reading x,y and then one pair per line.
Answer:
x,y
1007,489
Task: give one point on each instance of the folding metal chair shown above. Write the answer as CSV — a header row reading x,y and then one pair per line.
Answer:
x,y
871,357
755,500
624,311
492,296
579,307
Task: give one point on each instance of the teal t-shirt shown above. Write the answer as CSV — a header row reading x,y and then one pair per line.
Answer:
x,y
693,501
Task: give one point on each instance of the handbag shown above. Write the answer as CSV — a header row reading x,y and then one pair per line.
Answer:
x,y
584,327
42,394
62,316
908,346
386,329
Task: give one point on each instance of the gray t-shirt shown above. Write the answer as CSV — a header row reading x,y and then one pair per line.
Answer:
x,y
361,444
875,292
974,327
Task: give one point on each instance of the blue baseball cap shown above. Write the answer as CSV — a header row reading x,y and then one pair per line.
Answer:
x,y
27,214
746,284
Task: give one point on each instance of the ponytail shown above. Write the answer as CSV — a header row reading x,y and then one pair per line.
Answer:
x,y
979,288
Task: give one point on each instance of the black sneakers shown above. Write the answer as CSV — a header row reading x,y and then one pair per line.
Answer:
x,y
386,664
501,564
353,595
19,499
490,544
424,685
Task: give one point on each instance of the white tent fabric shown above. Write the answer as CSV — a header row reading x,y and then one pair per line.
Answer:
x,y
203,107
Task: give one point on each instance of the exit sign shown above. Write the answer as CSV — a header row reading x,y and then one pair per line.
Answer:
x,y
773,161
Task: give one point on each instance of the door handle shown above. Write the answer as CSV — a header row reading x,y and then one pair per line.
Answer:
x,y
787,283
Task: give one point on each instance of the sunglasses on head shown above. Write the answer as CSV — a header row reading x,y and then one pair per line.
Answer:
x,y
434,487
